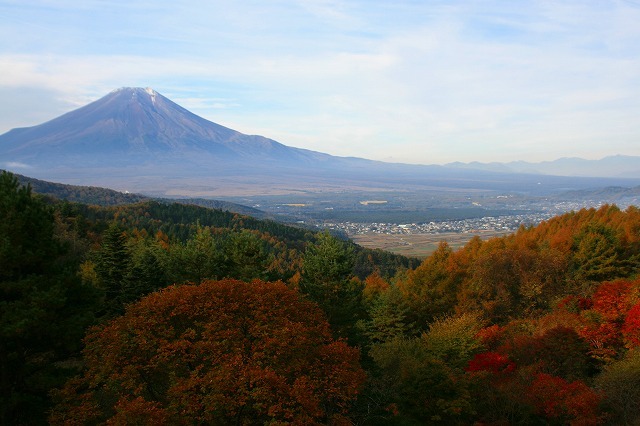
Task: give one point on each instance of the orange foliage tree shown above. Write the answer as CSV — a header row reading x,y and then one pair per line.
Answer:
x,y
217,353
605,320
374,286
430,290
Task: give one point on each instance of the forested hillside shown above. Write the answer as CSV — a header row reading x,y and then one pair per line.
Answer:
x,y
156,313
108,197
79,194
536,327
67,266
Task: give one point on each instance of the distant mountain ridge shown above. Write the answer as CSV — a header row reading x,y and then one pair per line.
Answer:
x,y
611,195
622,166
137,140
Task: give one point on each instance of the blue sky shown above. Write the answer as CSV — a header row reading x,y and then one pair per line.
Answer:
x,y
425,82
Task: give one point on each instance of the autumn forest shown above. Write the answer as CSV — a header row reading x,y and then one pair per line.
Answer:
x,y
162,313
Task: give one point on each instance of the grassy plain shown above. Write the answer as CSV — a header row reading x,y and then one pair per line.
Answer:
x,y
419,245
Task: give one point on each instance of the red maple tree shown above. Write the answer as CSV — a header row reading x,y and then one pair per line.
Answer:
x,y
220,352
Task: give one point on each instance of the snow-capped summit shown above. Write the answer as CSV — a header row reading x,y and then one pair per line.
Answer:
x,y
135,138
135,124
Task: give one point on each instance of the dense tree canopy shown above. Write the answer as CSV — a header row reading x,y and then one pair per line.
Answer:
x,y
556,307
537,327
43,308
218,353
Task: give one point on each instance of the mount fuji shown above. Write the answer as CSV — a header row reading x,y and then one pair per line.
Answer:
x,y
138,140
138,126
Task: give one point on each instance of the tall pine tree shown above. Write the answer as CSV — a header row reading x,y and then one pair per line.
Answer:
x,y
112,266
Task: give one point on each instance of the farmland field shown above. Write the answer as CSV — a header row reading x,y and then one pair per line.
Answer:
x,y
419,245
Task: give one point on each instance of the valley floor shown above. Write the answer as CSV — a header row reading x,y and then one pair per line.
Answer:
x,y
419,245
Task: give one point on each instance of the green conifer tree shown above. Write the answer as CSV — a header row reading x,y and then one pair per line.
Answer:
x,y
43,307
112,266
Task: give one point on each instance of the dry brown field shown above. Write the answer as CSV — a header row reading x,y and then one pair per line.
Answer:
x,y
419,245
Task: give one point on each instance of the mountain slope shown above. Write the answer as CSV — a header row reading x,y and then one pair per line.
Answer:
x,y
136,125
137,140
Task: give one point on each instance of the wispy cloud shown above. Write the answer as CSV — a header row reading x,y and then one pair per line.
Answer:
x,y
12,165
